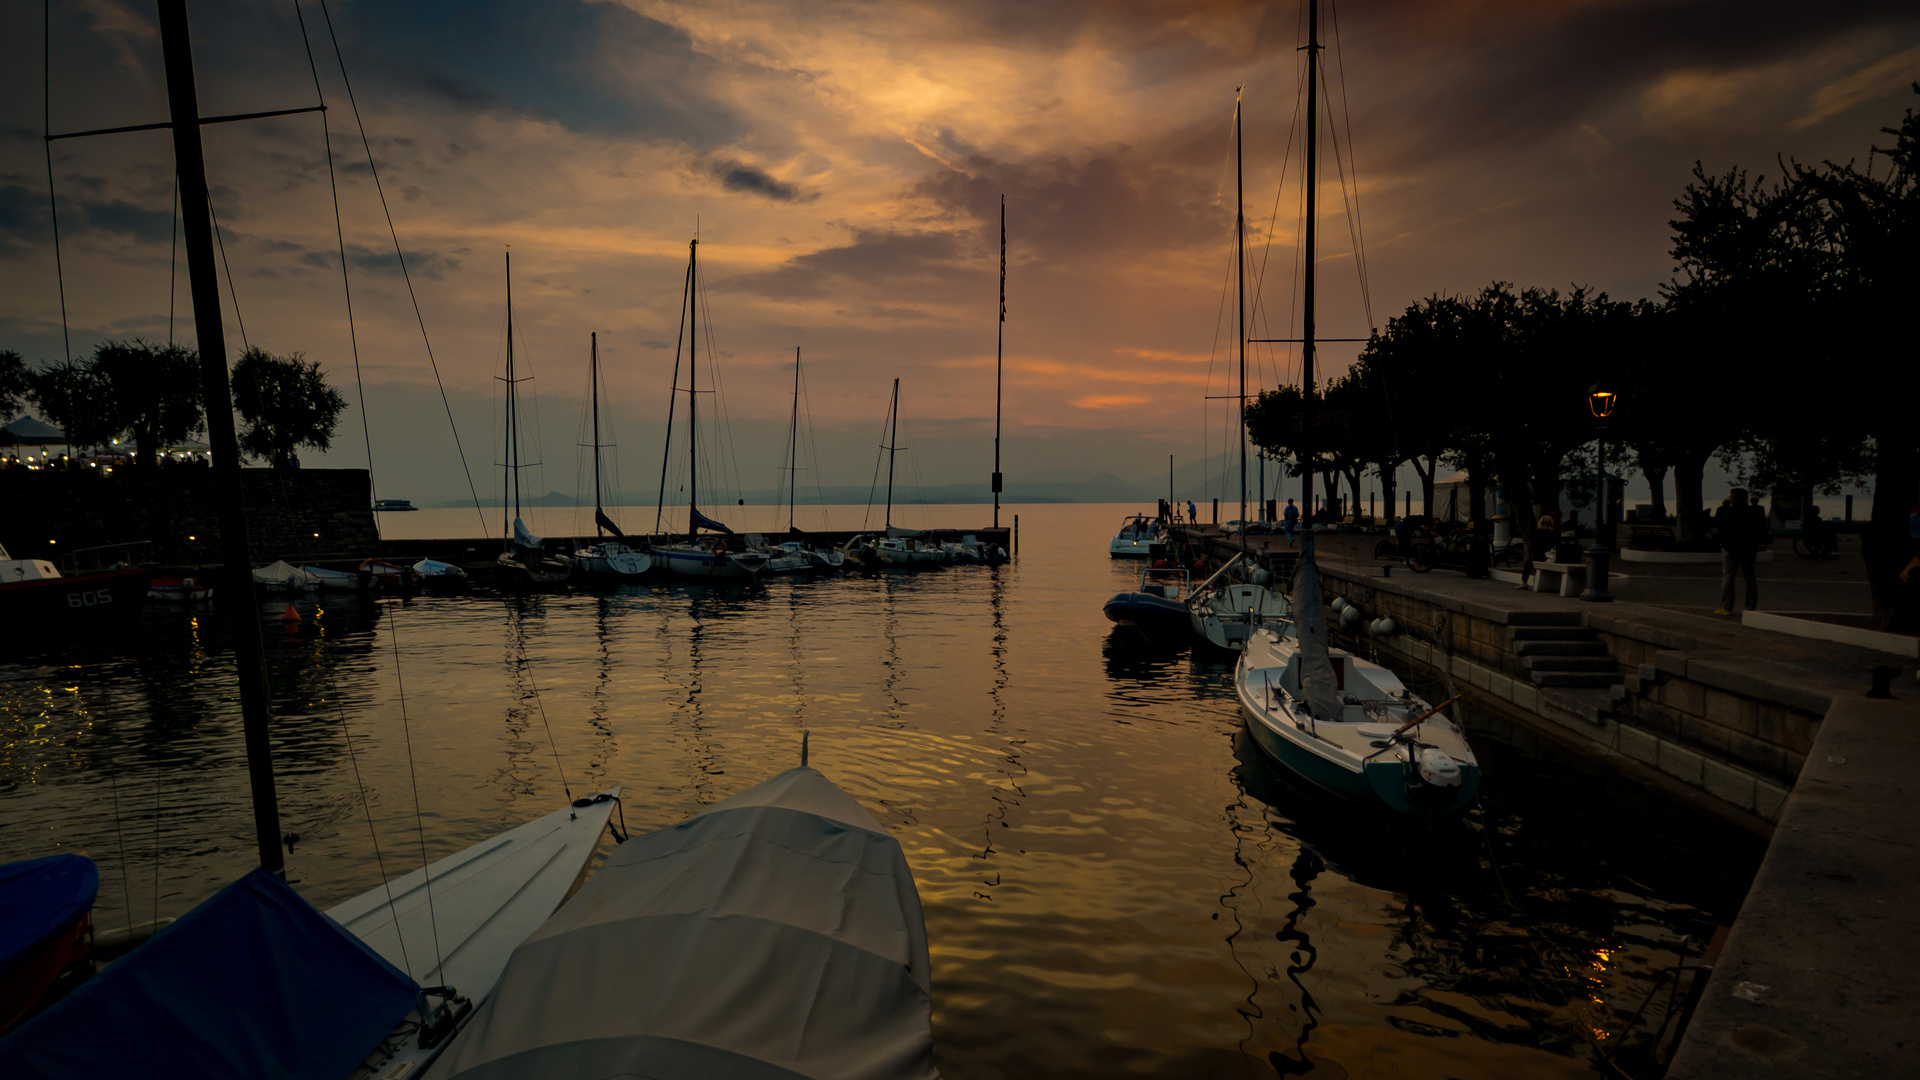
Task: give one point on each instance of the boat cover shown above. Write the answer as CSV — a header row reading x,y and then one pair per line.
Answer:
x,y
282,574
436,568
702,521
1317,680
253,983
776,935
39,899
524,537
601,519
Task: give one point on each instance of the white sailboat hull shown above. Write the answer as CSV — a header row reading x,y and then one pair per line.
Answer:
x,y
696,562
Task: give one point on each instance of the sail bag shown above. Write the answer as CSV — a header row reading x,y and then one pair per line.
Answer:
x,y
1310,625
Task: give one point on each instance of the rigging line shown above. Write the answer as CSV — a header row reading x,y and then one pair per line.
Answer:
x,y
379,859
1346,109
413,783
219,240
727,454
1340,170
173,264
159,786
53,201
346,287
400,255
533,682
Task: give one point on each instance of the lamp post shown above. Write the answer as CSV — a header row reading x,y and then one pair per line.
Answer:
x,y
1600,403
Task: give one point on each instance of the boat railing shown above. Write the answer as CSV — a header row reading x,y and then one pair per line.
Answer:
x,y
1178,576
97,562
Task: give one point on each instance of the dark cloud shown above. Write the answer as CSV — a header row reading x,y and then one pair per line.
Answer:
x,y
877,258
25,220
739,176
1062,210
431,265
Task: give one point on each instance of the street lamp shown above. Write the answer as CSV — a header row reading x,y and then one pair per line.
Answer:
x,y
1600,403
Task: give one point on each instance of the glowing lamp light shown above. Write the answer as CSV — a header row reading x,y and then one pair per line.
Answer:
x,y
1601,402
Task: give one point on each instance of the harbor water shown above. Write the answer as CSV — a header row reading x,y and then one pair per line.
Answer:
x,y
1115,882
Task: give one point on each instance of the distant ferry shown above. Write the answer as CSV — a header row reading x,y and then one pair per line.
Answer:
x,y
394,504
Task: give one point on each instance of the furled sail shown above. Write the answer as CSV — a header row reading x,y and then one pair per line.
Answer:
x,y
524,537
702,521
1310,625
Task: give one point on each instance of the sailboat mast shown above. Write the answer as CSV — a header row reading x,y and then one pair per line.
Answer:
x,y
1306,335
893,443
1240,279
513,409
598,510
673,393
999,352
693,386
793,441
249,655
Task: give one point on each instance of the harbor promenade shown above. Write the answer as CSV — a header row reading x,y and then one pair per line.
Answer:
x,y
1770,730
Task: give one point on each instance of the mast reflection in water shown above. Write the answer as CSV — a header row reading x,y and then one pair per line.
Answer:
x,y
1114,880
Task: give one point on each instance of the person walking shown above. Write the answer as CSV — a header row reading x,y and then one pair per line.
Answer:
x,y
1289,520
1193,513
1742,528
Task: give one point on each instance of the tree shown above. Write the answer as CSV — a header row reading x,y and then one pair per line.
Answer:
x,y
285,404
15,384
152,394
73,398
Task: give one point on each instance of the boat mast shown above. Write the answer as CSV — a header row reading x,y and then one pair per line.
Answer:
x,y
793,441
1240,279
249,655
999,352
893,443
513,412
693,383
1306,336
598,510
673,394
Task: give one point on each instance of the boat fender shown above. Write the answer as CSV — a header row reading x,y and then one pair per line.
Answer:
x,y
1384,626
1339,604
1350,616
1438,769
1262,578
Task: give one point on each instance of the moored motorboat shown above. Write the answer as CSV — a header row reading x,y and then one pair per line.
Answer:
x,y
1345,724
381,574
1157,607
172,590
1136,538
46,926
432,573
337,580
281,576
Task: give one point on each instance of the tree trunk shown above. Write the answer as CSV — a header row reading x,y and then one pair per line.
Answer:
x,y
1657,480
1885,547
1476,515
1330,490
1426,481
1388,489
1688,504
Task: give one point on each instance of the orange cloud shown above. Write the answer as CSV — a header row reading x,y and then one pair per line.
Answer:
x,y
1109,401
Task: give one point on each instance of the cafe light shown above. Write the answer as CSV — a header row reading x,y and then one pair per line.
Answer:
x,y
1601,402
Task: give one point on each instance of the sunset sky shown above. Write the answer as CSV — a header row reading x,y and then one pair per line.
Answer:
x,y
845,163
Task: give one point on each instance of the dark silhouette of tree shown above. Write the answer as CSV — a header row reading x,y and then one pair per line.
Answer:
x,y
73,398
152,394
285,404
16,388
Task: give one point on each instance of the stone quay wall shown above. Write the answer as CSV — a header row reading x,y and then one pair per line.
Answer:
x,y
1725,732
292,514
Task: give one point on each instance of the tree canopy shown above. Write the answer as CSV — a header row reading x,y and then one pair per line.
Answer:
x,y
285,405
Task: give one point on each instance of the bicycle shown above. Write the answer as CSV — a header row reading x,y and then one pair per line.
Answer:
x,y
1817,540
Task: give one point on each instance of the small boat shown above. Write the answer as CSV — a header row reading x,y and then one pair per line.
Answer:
x,y
281,576
1136,538
789,558
1158,606
336,580
709,557
46,927
970,551
1344,724
35,595
171,590
902,548
393,506
777,933
522,563
609,561
381,574
1227,612
437,576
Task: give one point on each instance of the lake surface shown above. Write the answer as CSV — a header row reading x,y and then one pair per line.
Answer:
x,y
1115,882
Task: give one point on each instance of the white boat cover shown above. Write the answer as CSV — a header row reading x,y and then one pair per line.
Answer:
x,y
776,935
1310,627
523,536
282,574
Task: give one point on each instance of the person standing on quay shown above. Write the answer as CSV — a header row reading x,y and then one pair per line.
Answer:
x,y
1742,529
1289,518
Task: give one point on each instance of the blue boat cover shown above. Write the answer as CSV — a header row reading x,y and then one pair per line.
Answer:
x,y
39,898
253,983
702,521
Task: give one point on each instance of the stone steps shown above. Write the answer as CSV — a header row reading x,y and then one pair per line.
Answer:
x,y
1558,651
1572,663
1576,678
1560,648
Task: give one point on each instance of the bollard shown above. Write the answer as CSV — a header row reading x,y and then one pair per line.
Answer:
x,y
1016,534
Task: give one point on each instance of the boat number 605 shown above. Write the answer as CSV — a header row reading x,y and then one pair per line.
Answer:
x,y
90,598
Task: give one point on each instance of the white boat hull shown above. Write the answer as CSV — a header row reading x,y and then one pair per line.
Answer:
x,y
694,562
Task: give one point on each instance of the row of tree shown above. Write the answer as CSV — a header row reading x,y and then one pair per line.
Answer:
x,y
1783,346
150,396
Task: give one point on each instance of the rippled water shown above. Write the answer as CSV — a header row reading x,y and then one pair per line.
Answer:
x,y
1114,880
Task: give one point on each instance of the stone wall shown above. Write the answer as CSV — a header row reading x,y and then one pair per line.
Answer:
x,y
1726,731
295,514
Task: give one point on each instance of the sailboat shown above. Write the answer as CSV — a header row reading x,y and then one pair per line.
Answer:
x,y
606,560
697,556
1224,611
256,981
523,564
1338,722
795,553
902,547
